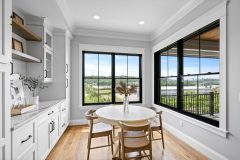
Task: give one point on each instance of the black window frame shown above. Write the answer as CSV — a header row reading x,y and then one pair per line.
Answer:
x,y
180,75
113,78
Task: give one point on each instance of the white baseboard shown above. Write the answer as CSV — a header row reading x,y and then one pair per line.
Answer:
x,y
210,153
76,122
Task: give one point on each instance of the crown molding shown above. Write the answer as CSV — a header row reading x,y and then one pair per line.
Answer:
x,y
66,14
111,34
62,32
185,10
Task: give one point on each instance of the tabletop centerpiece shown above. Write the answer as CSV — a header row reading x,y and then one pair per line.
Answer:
x,y
123,89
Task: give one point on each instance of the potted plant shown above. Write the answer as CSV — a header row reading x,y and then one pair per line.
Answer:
x,y
34,85
123,89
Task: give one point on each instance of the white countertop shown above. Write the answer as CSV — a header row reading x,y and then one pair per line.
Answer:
x,y
20,120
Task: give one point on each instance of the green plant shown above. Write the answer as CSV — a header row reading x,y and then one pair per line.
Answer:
x,y
33,84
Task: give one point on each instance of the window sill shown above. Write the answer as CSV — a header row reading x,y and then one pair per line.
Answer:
x,y
218,131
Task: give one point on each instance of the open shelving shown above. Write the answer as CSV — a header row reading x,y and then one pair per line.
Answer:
x,y
24,57
24,32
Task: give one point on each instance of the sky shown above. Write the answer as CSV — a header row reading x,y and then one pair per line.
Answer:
x,y
191,65
121,69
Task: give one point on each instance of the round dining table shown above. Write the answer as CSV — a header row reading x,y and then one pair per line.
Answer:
x,y
112,114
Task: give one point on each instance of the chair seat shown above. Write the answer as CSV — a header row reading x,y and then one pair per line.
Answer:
x,y
101,127
135,142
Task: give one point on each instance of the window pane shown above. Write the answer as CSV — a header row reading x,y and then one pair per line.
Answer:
x,y
191,56
91,91
209,44
91,65
119,97
172,62
133,66
209,65
105,63
190,93
209,96
163,98
120,66
105,90
134,96
164,67
172,92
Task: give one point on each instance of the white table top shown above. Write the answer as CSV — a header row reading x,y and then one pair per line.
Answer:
x,y
113,114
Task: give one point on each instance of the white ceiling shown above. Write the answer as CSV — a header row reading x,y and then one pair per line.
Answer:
x,y
117,16
123,15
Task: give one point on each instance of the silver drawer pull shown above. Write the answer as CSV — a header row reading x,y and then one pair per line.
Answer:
x,y
63,124
30,136
63,109
51,113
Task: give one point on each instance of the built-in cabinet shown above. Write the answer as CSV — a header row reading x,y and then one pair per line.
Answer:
x,y
5,30
43,50
36,139
5,58
48,65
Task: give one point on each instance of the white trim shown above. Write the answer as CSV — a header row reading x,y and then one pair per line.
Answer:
x,y
77,122
111,34
210,153
208,127
219,12
186,9
118,49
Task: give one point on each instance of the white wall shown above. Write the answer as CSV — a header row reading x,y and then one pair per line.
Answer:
x,y
77,111
215,146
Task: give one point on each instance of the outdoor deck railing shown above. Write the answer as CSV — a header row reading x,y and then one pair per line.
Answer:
x,y
200,104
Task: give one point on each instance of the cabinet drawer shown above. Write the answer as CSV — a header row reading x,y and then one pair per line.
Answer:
x,y
48,114
23,139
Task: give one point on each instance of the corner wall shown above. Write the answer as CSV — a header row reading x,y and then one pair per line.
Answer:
x,y
210,144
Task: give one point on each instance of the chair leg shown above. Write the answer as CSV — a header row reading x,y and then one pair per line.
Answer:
x,y
119,150
162,138
89,146
111,141
152,136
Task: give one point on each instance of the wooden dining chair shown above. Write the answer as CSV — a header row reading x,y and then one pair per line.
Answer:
x,y
156,125
135,138
98,129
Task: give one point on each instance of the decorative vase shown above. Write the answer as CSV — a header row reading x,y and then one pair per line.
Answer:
x,y
125,103
35,100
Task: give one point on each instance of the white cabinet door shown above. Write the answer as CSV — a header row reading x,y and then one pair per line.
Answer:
x,y
48,65
5,111
29,155
5,31
43,143
54,133
48,39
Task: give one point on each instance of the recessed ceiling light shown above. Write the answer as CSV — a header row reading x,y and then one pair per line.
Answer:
x,y
97,17
141,22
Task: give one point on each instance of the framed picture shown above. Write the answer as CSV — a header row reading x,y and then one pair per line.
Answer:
x,y
18,18
16,91
17,45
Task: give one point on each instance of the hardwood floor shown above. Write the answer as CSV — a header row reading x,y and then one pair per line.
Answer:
x,y
73,146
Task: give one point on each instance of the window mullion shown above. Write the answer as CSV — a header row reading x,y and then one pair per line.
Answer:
x,y
113,78
180,75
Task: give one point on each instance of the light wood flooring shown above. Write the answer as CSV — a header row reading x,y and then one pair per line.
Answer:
x,y
73,146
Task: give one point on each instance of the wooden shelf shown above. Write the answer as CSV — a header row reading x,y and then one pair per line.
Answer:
x,y
24,32
24,57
